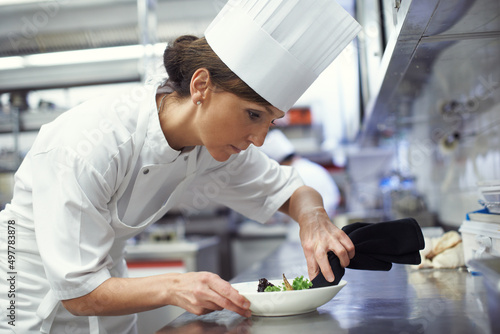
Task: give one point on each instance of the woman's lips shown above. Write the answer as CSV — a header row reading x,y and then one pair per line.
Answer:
x,y
235,149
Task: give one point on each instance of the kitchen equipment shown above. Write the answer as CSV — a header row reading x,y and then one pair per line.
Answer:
x,y
490,190
490,269
282,303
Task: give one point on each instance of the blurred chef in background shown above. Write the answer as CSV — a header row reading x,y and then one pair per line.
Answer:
x,y
278,147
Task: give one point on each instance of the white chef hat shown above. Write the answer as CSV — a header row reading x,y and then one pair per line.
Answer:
x,y
280,47
277,146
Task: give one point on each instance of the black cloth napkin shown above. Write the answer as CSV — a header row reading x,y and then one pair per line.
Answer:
x,y
377,247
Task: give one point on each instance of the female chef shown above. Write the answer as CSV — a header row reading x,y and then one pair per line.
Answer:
x,y
105,170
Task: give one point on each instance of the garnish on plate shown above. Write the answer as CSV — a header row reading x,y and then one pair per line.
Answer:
x,y
298,283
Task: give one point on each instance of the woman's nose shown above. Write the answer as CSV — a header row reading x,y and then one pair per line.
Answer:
x,y
259,136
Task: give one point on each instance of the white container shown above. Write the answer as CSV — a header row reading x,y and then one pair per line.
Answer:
x,y
480,239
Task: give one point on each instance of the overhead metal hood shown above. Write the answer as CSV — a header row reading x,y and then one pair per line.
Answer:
x,y
459,35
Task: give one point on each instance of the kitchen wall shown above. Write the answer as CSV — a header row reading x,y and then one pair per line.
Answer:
x,y
453,137
436,105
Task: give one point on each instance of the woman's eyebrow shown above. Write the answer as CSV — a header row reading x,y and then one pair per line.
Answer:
x,y
270,111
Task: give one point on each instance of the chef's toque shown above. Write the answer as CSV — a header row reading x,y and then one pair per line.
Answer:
x,y
280,47
277,146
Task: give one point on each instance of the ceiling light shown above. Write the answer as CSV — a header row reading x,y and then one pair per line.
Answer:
x,y
82,56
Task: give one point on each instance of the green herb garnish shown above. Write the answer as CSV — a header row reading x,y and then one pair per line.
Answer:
x,y
301,283
272,288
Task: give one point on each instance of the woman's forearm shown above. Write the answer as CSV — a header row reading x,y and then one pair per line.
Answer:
x,y
120,296
303,201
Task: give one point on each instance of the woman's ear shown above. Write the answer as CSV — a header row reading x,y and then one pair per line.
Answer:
x,y
200,83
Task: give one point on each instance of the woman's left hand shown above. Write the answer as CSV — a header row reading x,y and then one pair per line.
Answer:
x,y
318,234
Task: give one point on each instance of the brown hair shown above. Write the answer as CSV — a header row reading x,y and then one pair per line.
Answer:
x,y
189,53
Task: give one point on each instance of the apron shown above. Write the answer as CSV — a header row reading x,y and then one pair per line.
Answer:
x,y
49,306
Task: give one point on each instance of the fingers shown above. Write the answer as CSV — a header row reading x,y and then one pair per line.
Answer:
x,y
317,258
348,245
204,292
312,265
221,295
324,265
229,298
212,301
343,248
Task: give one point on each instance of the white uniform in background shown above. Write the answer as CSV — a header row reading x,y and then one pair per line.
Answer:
x,y
96,176
317,177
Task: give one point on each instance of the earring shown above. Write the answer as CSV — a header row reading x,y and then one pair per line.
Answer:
x,y
198,103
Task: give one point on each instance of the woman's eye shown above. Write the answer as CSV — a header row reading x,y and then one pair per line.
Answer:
x,y
253,115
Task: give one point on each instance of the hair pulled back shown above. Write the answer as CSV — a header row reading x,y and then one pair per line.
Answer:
x,y
189,53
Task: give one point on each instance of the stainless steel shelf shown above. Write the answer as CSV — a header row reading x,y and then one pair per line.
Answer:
x,y
28,121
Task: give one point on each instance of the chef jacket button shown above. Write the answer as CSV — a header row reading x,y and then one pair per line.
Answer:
x,y
185,158
145,171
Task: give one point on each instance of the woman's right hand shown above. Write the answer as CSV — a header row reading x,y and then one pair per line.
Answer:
x,y
205,292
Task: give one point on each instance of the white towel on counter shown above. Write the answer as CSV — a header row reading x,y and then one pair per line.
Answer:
x,y
448,250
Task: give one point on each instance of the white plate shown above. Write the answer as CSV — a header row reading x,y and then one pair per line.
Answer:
x,y
281,303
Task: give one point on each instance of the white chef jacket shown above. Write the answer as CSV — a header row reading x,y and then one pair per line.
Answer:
x,y
98,175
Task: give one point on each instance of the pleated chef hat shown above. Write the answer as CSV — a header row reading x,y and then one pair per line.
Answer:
x,y
280,47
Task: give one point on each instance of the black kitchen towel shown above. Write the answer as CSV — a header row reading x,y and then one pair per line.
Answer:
x,y
377,247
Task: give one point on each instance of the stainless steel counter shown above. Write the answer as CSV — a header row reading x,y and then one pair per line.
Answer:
x,y
402,300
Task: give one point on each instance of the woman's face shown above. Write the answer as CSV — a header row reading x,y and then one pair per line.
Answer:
x,y
230,124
